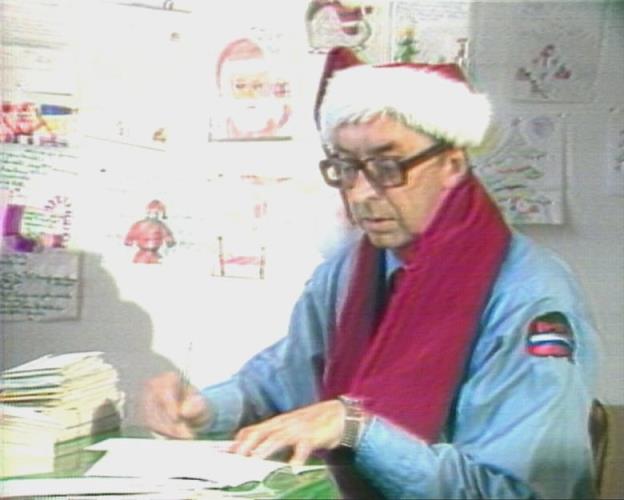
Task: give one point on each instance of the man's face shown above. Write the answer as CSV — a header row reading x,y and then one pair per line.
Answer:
x,y
392,217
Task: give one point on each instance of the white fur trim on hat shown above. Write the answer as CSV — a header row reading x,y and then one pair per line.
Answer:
x,y
421,98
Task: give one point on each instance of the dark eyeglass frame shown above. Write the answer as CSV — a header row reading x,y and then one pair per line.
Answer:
x,y
398,166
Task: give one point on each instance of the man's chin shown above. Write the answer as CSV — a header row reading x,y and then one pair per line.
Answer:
x,y
386,240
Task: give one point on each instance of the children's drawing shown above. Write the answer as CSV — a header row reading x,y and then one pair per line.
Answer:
x,y
407,46
12,238
557,50
33,124
39,286
254,94
37,190
28,229
543,72
615,153
242,238
241,257
617,160
149,234
521,164
433,31
330,23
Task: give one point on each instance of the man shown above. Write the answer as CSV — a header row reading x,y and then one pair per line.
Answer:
x,y
454,357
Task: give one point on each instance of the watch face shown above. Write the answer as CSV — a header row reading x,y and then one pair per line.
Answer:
x,y
353,405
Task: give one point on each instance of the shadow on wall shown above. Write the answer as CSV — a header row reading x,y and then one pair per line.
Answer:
x,y
119,329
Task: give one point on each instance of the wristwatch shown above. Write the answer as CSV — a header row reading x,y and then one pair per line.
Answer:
x,y
354,420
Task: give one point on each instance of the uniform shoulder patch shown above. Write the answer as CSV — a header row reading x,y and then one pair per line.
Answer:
x,y
550,335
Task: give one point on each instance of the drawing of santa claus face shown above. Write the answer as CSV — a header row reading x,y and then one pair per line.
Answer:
x,y
254,97
250,84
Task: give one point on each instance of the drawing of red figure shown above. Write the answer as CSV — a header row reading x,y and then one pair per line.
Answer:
x,y
351,17
149,234
20,122
330,23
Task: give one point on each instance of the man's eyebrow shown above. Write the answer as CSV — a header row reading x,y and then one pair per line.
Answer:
x,y
375,150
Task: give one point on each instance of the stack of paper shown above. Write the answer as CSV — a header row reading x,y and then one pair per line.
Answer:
x,y
62,396
27,440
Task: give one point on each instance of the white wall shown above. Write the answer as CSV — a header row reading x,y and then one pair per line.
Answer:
x,y
145,317
592,238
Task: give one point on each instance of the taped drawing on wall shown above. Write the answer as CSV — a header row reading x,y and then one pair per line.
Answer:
x,y
521,163
39,286
332,23
138,90
35,124
150,234
38,186
615,153
253,84
362,26
39,73
431,31
556,52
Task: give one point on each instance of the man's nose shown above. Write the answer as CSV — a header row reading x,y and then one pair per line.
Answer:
x,y
362,188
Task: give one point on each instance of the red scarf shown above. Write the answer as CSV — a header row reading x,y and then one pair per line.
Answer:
x,y
408,367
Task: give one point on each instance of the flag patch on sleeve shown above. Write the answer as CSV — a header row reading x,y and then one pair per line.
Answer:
x,y
550,335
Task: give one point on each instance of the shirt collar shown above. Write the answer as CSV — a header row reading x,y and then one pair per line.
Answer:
x,y
392,263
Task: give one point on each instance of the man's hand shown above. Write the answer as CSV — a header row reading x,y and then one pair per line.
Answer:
x,y
315,427
171,407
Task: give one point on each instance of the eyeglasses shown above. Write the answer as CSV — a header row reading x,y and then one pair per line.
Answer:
x,y
381,172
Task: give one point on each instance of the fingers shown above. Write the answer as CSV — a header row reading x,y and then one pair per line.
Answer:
x,y
154,408
263,442
318,426
170,410
301,453
251,440
193,409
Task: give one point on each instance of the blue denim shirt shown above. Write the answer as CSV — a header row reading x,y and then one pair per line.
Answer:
x,y
519,425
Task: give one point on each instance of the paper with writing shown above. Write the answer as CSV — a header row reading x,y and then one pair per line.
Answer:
x,y
39,286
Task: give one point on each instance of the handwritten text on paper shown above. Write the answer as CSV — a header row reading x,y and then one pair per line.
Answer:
x,y
40,286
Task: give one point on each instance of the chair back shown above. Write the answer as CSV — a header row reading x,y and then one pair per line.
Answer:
x,y
598,432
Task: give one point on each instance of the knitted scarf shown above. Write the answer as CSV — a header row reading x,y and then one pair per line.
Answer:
x,y
407,363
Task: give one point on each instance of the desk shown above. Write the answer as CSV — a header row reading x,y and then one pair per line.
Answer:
x,y
281,484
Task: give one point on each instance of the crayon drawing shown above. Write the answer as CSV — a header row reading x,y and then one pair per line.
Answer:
x,y
332,23
430,31
150,234
557,52
521,164
254,94
33,124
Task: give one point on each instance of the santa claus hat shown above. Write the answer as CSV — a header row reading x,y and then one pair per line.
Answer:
x,y
240,55
432,98
157,207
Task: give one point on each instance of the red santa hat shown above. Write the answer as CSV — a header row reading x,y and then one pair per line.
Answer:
x,y
432,98
242,53
157,208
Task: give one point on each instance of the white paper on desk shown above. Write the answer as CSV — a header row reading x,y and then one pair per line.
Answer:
x,y
96,486
149,445
158,458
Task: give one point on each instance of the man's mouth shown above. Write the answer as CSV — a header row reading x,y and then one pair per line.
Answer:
x,y
377,224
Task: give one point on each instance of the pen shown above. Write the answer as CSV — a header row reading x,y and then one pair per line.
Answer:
x,y
184,374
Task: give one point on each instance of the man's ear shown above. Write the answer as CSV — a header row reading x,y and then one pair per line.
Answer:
x,y
455,168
